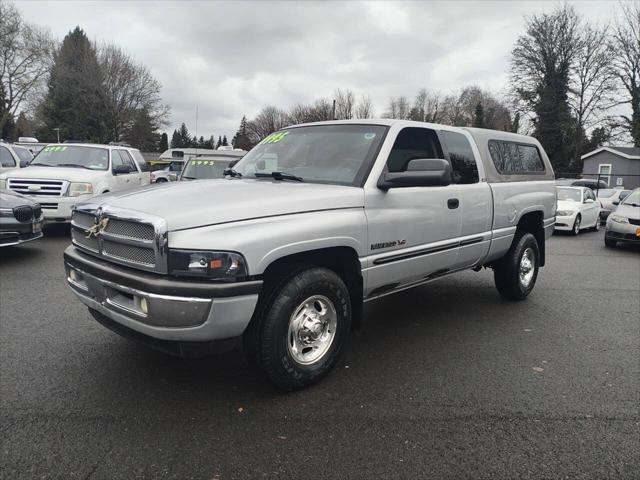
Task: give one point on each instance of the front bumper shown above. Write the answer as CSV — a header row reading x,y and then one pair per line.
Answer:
x,y
13,232
565,223
57,209
622,232
159,307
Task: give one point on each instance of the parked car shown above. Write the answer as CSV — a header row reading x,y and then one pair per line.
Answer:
x,y
623,225
13,156
609,199
20,219
64,174
577,210
314,221
209,167
589,183
170,173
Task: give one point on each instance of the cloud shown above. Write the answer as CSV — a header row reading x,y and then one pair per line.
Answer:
x,y
232,58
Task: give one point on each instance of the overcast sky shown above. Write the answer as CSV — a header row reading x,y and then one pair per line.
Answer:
x,y
232,58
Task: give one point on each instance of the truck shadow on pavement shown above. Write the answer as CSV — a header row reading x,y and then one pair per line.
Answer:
x,y
415,329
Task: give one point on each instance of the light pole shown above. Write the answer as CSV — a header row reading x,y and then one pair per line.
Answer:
x,y
57,130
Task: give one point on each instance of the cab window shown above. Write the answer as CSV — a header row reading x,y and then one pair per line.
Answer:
x,y
464,168
413,143
127,160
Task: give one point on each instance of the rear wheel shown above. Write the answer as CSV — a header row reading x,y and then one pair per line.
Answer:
x,y
596,227
575,230
161,180
516,273
300,328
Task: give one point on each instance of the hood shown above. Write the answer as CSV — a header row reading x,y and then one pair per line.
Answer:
x,y
628,211
9,199
568,205
208,202
56,173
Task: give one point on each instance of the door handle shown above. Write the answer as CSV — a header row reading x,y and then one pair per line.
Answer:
x,y
453,203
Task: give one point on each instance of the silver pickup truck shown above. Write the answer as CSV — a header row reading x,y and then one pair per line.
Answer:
x,y
314,221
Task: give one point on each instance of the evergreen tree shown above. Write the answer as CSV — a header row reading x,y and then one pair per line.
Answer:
x,y
164,142
75,101
201,142
211,143
184,137
241,139
23,126
175,140
219,142
478,117
141,133
224,141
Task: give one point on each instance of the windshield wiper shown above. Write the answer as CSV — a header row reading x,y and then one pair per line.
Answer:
x,y
231,172
41,164
73,165
280,176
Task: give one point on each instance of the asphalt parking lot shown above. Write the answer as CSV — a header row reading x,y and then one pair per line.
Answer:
x,y
443,381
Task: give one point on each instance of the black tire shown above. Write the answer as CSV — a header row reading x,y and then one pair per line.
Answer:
x,y
575,229
161,180
506,273
266,341
610,242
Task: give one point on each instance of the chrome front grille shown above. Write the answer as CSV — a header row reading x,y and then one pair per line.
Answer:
x,y
121,236
38,187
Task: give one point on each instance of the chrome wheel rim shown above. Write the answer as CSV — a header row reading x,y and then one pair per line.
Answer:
x,y
527,267
576,226
598,224
312,329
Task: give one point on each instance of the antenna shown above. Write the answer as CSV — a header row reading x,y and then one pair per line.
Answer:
x,y
196,130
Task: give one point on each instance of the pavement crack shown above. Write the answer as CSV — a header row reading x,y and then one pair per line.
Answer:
x,y
100,460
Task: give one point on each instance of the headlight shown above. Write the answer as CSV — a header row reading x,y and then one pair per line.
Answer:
x,y
215,265
77,189
564,213
619,219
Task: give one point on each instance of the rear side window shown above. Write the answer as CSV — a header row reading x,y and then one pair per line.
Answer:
x,y
463,162
144,166
6,159
512,158
23,154
177,154
413,143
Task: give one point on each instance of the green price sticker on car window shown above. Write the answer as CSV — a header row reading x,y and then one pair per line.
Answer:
x,y
274,138
55,149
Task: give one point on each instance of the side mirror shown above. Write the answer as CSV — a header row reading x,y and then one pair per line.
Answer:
x,y
121,170
588,200
421,172
616,202
24,163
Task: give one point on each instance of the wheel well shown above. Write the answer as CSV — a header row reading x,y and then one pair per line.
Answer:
x,y
532,222
342,260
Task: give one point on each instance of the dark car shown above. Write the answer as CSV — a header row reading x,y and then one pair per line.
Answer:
x,y
20,219
592,184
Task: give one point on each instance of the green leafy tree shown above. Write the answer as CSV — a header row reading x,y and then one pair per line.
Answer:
x,y
75,101
164,142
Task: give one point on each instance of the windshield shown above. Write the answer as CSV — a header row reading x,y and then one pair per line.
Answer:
x,y
197,169
633,199
335,154
570,194
93,158
607,193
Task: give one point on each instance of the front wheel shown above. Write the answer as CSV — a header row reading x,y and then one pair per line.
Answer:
x,y
596,227
300,328
516,273
575,230
610,242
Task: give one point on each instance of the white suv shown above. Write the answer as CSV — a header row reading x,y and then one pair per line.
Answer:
x,y
62,175
13,156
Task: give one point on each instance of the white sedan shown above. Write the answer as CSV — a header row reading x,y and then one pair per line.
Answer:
x,y
578,209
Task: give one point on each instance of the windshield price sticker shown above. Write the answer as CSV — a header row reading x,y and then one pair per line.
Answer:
x,y
274,137
55,149
205,163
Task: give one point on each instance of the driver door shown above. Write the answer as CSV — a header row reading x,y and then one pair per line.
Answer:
x,y
122,180
412,230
